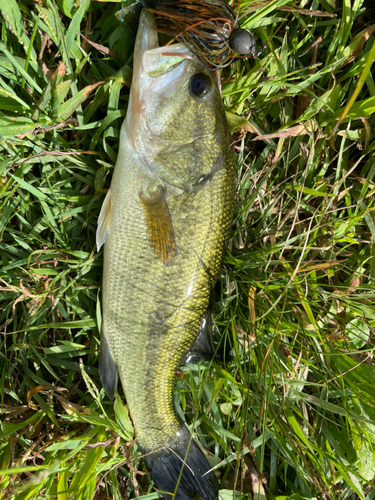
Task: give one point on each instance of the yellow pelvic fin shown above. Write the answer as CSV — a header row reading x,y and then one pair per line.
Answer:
x,y
160,229
104,221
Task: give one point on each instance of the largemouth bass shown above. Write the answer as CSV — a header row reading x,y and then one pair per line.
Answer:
x,y
165,223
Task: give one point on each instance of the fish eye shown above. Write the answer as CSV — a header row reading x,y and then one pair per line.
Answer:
x,y
199,85
242,42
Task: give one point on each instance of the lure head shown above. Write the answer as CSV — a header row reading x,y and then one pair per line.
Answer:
x,y
243,42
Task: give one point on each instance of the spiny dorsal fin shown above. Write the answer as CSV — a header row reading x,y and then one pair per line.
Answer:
x,y
104,221
160,229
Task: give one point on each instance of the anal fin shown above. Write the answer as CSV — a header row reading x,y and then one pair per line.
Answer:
x,y
104,220
203,346
160,229
107,368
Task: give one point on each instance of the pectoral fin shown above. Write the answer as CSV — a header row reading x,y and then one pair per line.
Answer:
x,y
203,347
160,229
107,368
104,221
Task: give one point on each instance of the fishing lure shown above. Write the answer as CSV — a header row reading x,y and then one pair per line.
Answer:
x,y
209,28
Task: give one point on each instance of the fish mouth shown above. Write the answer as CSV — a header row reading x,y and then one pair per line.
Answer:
x,y
155,68
153,61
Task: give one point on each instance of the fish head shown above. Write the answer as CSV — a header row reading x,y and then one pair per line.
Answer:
x,y
175,121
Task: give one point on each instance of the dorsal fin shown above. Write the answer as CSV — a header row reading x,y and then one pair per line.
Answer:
x,y
104,220
107,367
160,229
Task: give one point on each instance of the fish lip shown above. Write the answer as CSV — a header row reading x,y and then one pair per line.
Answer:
x,y
147,39
147,32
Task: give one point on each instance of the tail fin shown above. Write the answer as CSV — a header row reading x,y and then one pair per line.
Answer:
x,y
168,464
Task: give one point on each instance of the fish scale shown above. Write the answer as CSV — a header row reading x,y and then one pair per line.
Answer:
x,y
165,225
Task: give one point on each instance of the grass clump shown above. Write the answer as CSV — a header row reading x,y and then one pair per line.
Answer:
x,y
290,413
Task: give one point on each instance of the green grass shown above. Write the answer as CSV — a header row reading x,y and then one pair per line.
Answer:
x,y
291,412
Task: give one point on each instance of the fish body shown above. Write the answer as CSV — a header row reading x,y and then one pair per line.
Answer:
x,y
165,223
